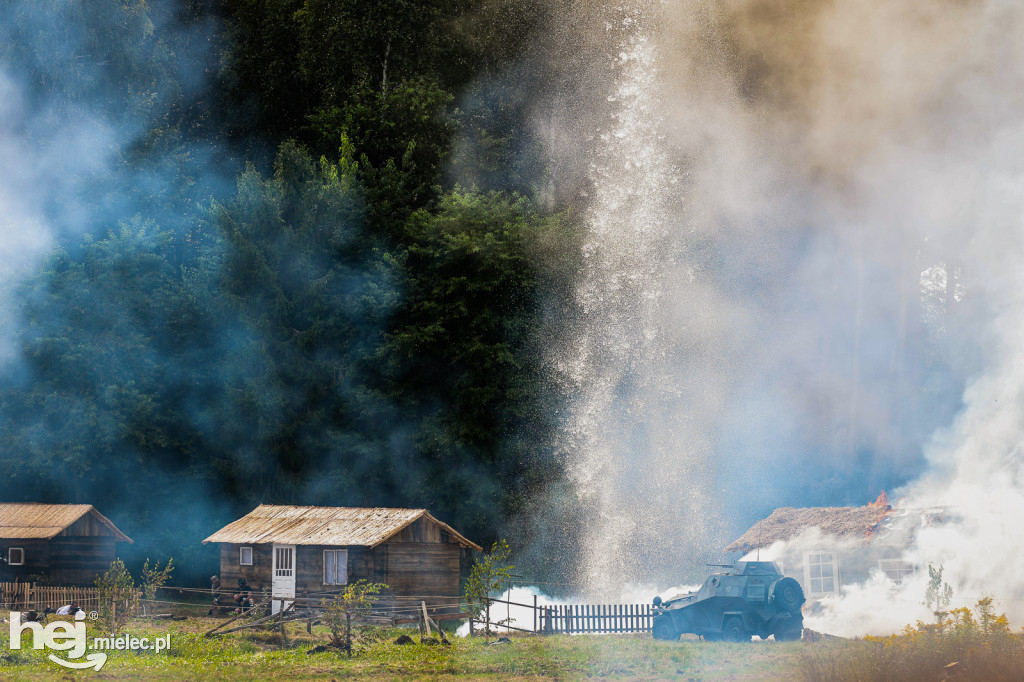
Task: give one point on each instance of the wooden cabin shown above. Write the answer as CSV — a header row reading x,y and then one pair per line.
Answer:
x,y
318,550
64,544
825,548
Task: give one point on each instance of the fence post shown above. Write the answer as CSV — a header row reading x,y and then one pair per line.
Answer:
x,y
535,613
426,620
348,634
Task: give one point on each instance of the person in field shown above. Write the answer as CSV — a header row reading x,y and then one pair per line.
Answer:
x,y
243,598
68,609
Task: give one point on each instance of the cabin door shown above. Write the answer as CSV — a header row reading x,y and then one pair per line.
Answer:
x,y
284,577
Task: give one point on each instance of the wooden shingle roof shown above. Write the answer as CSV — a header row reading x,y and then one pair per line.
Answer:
x,y
357,526
31,520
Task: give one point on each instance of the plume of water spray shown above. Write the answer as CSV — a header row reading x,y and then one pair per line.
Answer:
x,y
781,302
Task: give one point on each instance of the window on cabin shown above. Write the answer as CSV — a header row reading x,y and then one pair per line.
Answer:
x,y
820,573
245,556
16,556
335,566
897,569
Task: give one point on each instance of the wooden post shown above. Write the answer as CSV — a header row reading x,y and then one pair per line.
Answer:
x,y
535,613
309,626
348,634
426,619
472,624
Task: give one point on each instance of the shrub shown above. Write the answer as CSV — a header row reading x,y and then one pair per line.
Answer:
x,y
488,576
355,600
961,646
118,597
154,578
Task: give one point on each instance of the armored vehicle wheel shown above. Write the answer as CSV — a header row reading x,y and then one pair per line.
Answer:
x,y
791,631
787,594
664,629
733,631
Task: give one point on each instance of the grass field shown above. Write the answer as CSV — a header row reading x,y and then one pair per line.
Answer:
x,y
270,656
265,655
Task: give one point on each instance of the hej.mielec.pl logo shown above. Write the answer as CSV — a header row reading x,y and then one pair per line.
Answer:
x,y
62,635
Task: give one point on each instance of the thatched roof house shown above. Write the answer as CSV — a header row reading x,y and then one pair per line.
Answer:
x,y
857,524
315,550
827,547
69,544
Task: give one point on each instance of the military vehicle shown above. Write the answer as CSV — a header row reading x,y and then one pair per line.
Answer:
x,y
751,598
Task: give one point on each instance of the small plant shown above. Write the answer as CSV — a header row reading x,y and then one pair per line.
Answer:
x,y
355,600
938,594
118,597
488,576
154,578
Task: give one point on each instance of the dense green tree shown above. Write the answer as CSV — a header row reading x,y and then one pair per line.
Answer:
x,y
463,349
339,328
314,294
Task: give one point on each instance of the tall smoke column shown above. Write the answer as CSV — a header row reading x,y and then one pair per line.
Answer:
x,y
630,456
803,241
24,234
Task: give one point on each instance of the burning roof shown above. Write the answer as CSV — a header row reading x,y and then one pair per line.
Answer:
x,y
356,526
32,520
844,523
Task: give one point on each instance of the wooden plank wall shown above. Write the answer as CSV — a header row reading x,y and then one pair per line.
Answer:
x,y
257,575
410,569
37,559
421,530
77,560
422,569
87,526
309,561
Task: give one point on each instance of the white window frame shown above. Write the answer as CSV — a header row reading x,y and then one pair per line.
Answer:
x,y
340,558
241,556
902,568
815,559
11,561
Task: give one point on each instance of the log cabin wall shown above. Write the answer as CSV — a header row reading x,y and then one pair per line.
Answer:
x,y
77,560
258,575
408,569
37,559
421,530
420,569
309,562
87,526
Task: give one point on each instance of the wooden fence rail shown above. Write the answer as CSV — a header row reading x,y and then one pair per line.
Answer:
x,y
580,618
596,618
19,596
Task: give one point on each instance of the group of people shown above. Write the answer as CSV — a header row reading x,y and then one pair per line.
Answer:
x,y
241,600
37,617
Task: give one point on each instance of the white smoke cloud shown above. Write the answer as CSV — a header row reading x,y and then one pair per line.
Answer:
x,y
24,232
841,255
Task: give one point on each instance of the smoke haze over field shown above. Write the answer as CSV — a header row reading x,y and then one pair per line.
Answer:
x,y
821,251
801,276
